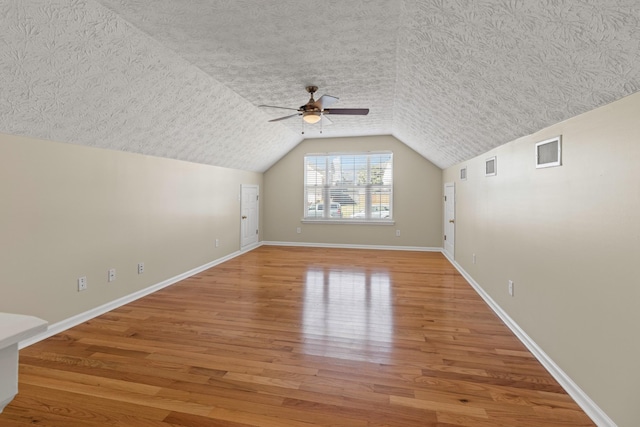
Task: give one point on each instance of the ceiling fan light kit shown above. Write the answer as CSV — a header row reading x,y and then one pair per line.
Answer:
x,y
311,117
313,111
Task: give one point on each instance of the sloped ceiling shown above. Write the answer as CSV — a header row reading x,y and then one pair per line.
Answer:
x,y
183,78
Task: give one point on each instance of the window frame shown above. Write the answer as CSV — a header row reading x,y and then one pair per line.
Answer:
x,y
385,190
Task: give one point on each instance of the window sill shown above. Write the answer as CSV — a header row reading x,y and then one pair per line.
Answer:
x,y
348,221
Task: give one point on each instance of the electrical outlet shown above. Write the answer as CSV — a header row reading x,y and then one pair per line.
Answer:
x,y
140,267
298,230
397,233
111,275
82,283
217,243
511,287
474,258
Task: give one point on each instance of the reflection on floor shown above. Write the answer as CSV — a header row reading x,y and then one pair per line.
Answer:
x,y
348,305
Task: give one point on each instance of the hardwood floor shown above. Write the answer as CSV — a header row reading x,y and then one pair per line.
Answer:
x,y
295,337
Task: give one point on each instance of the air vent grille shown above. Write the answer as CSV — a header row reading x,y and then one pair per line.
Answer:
x,y
463,174
548,153
491,166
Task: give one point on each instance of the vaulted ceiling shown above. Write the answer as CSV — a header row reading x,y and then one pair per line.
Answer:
x,y
184,78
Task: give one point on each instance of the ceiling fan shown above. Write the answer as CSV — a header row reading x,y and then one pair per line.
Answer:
x,y
313,111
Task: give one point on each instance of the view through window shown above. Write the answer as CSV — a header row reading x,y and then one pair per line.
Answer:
x,y
349,186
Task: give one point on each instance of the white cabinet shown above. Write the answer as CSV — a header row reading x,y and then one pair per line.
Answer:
x,y
13,329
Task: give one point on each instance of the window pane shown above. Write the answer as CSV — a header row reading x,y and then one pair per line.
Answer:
x,y
316,170
381,169
314,195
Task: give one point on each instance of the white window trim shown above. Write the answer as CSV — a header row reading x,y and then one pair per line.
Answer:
x,y
349,221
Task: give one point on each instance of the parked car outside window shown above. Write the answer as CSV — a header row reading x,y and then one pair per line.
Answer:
x,y
377,211
317,211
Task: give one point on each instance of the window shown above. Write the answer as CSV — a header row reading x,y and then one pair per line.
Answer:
x,y
349,187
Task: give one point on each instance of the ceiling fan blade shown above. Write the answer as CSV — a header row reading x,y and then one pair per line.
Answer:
x,y
326,120
326,101
273,106
285,117
347,111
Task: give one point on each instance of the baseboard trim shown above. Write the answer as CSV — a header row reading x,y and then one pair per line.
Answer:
x,y
597,415
350,246
250,247
70,322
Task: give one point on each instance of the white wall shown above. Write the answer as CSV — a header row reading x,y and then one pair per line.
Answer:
x,y
417,198
569,237
71,211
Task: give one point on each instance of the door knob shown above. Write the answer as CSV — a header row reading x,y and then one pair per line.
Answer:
x,y
244,217
451,221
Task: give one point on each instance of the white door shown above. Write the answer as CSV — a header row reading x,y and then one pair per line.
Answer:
x,y
249,215
449,219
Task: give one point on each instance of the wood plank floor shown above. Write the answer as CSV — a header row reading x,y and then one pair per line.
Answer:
x,y
295,337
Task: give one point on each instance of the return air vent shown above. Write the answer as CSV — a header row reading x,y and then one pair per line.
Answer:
x,y
463,173
491,166
548,153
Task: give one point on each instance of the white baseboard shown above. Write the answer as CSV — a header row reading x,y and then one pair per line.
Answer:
x,y
70,322
349,246
597,415
250,247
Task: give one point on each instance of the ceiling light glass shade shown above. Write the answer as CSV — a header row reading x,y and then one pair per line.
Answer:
x,y
311,117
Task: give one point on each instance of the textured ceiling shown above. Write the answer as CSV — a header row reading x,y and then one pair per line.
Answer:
x,y
183,78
